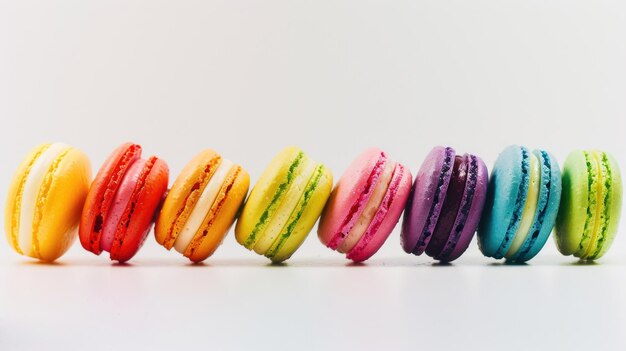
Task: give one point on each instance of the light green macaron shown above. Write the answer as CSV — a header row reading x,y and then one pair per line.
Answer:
x,y
590,204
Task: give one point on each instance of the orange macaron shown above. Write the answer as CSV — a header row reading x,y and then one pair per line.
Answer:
x,y
202,205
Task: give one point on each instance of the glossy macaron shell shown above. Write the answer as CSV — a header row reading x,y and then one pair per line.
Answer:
x,y
446,204
284,205
122,203
202,205
506,197
590,206
45,199
426,200
365,205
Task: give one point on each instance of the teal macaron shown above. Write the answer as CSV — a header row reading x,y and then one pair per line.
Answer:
x,y
522,204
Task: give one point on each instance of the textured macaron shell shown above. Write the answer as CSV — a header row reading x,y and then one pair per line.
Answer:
x,y
506,197
386,217
59,176
284,204
425,202
350,197
590,205
470,210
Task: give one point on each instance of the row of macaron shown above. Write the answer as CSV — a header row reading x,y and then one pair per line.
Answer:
x,y
514,211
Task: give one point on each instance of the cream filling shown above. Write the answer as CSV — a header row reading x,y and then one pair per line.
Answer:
x,y
202,207
369,212
528,215
30,193
280,217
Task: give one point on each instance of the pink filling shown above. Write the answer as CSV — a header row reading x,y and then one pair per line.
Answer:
x,y
120,202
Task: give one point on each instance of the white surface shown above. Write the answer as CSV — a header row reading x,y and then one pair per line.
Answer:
x,y
334,77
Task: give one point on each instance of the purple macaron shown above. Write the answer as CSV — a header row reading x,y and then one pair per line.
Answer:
x,y
445,204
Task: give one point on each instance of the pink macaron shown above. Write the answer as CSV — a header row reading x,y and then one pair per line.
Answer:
x,y
365,205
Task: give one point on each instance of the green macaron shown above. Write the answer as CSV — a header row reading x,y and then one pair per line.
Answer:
x,y
590,204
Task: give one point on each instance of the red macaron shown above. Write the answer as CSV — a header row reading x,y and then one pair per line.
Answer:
x,y
122,202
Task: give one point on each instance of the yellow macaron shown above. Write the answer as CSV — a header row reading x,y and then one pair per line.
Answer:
x,y
45,201
284,205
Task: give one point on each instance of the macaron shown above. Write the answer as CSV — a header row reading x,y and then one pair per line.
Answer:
x,y
590,205
122,203
45,200
284,205
201,205
365,205
445,205
522,204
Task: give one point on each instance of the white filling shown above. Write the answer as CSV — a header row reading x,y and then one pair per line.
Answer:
x,y
203,206
30,192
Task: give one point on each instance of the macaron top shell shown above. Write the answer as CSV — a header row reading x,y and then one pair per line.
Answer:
x,y
508,186
45,200
426,201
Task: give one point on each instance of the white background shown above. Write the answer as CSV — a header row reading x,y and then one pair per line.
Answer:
x,y
334,77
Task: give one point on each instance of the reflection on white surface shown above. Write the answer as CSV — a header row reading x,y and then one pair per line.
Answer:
x,y
312,303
